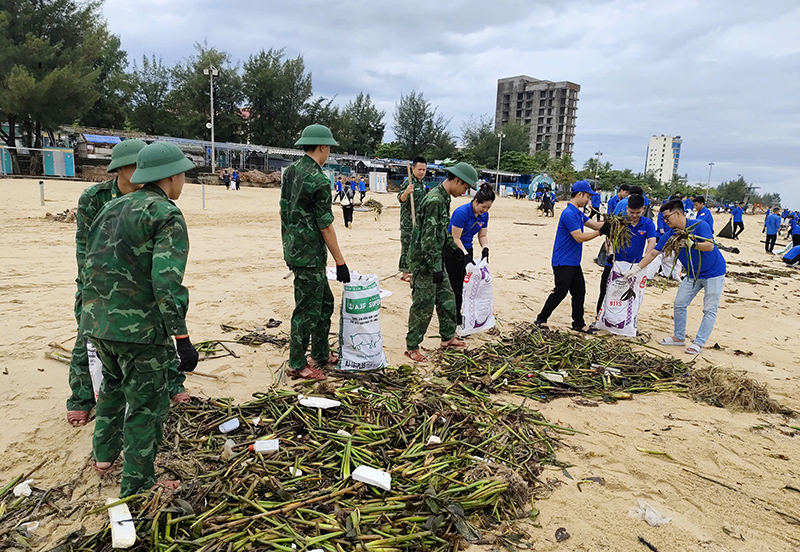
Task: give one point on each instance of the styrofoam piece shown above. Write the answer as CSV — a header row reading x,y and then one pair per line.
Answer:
x,y
319,402
23,489
265,446
29,526
434,440
384,293
345,433
555,378
295,472
374,477
230,425
255,421
123,532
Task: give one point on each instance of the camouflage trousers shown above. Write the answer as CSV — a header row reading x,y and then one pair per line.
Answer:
x,y
424,295
405,243
311,319
135,375
80,382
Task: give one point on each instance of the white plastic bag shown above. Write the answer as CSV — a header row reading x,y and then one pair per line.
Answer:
x,y
95,367
360,339
477,299
620,316
668,267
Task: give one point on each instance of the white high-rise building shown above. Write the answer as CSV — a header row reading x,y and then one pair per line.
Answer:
x,y
663,154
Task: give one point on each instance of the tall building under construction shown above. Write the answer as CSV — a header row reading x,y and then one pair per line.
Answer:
x,y
550,109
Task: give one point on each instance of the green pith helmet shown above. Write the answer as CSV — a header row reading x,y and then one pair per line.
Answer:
x,y
160,160
316,135
125,153
465,172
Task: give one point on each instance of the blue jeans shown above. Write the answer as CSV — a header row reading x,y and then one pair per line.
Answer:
x,y
686,292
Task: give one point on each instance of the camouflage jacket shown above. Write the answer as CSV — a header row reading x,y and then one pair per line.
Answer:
x,y
132,280
305,210
430,237
89,204
406,222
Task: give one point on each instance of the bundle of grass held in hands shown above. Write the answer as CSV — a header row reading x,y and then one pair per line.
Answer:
x,y
619,235
680,238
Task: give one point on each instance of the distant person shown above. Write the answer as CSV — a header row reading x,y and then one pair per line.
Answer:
x,y
738,219
362,189
467,222
235,179
347,205
705,270
622,207
621,194
338,189
411,195
548,202
566,259
795,229
594,211
703,213
771,228
226,179
688,204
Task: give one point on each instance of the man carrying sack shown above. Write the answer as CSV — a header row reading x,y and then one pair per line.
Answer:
x,y
306,231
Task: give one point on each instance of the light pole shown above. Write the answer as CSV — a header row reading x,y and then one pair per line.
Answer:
x,y
708,184
211,72
499,149
597,166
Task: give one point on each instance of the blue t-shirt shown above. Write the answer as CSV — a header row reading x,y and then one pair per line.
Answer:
x,y
339,185
596,201
688,204
362,186
643,231
622,207
795,226
612,203
773,223
710,263
553,197
793,253
737,213
566,250
464,218
705,215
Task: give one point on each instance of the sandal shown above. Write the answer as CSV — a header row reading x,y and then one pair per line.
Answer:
x,y
309,372
589,330
454,342
182,397
668,341
406,277
171,485
694,349
333,358
78,418
541,325
101,471
416,356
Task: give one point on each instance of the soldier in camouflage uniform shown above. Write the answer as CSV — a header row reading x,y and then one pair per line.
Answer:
x,y
429,287
306,231
418,168
134,302
123,162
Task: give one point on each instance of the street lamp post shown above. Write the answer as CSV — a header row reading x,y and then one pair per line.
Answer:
x,y
708,184
499,148
211,72
597,166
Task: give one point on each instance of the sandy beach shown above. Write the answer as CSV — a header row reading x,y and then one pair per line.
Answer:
x,y
236,276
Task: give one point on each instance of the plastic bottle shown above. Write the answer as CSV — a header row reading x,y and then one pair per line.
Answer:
x,y
230,425
265,446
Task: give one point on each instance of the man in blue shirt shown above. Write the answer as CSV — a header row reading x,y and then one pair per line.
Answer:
x,y
793,256
642,231
566,261
362,189
771,227
623,192
338,188
622,207
595,203
795,229
705,267
703,213
738,220
688,204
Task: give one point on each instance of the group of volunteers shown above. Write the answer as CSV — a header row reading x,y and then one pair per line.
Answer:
x,y
699,254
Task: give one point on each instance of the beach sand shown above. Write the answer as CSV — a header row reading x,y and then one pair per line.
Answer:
x,y
236,276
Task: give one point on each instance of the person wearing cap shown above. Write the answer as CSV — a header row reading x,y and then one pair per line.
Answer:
x,y
134,304
410,197
566,261
429,240
307,234
123,162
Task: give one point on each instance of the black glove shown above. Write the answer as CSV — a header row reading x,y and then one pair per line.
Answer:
x,y
485,254
605,230
187,353
343,273
610,258
466,259
438,277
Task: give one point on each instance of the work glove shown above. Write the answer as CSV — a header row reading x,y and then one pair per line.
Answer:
x,y
465,260
631,274
606,228
438,277
485,254
187,353
342,273
610,258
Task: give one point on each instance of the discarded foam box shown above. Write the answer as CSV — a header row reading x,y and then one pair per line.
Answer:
x,y
123,532
318,402
374,477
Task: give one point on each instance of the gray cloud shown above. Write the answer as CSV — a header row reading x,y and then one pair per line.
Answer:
x,y
722,74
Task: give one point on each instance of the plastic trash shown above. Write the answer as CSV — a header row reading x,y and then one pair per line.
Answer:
x,y
649,514
255,421
29,526
123,532
265,446
230,425
227,449
374,477
434,440
344,433
295,472
23,489
555,378
318,402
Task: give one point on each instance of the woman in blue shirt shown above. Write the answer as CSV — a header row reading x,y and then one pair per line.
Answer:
x,y
705,267
466,222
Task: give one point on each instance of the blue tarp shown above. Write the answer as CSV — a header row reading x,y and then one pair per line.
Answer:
x,y
100,139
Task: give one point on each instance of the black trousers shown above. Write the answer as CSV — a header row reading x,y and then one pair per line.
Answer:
x,y
603,285
795,239
362,196
454,265
347,211
738,228
569,279
770,243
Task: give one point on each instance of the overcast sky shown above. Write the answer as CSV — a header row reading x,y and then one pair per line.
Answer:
x,y
724,75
